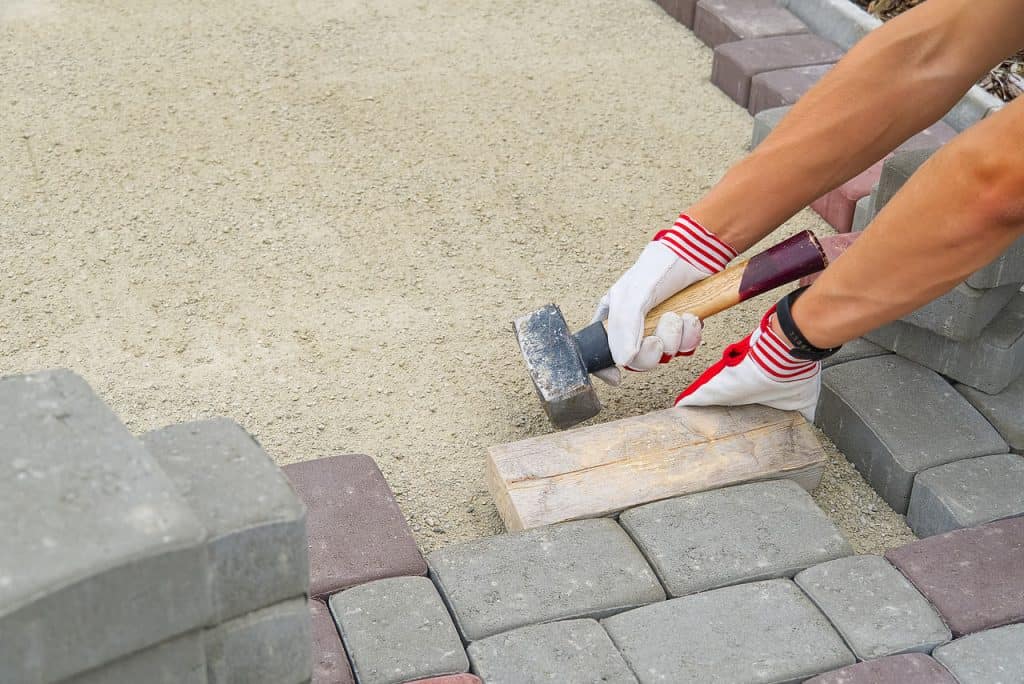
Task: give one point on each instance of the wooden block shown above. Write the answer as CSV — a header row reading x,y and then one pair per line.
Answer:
x,y
602,469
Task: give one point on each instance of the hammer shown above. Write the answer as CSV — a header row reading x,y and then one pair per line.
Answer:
x,y
560,363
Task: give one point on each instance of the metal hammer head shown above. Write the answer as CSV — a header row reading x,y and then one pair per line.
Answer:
x,y
556,366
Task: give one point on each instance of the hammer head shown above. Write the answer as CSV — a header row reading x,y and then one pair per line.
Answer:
x,y
556,367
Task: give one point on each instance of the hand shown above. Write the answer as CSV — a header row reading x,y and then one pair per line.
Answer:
x,y
675,259
758,369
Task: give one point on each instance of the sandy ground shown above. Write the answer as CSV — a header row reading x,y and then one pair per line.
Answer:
x,y
319,216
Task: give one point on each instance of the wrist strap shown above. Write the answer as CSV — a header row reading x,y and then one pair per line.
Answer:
x,y
802,349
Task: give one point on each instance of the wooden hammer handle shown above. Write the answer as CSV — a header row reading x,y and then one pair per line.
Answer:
x,y
783,263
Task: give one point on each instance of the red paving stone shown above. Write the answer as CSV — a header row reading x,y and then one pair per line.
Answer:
x,y
911,668
330,664
974,577
725,21
357,532
837,207
450,679
783,87
735,64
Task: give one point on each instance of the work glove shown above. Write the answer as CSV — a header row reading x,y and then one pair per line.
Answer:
x,y
675,259
758,369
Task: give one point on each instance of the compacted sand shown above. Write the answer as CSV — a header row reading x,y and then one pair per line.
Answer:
x,y
319,216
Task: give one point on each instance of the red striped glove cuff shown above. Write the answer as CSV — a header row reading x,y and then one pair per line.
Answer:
x,y
696,245
771,353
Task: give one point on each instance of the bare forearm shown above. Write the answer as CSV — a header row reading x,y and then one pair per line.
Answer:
x,y
898,80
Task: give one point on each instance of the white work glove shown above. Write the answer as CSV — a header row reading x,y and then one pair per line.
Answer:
x,y
758,370
675,259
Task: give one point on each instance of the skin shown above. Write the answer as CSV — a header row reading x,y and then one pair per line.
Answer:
x,y
961,209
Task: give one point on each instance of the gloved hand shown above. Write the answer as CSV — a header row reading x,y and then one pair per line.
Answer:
x,y
675,259
758,370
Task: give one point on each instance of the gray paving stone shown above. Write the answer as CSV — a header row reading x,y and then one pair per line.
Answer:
x,y
840,21
864,212
257,525
737,534
180,660
972,108
1003,410
897,170
877,610
931,138
893,418
549,573
725,21
783,87
568,652
967,493
111,561
963,312
759,632
1006,269
765,122
988,363
397,629
268,646
854,350
735,64
909,668
992,657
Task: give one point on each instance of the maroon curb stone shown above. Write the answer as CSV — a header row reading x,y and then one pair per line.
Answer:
x,y
725,21
450,679
357,532
735,64
330,664
911,668
684,12
974,577
783,87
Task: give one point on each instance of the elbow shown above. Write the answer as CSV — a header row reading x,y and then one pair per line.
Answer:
x,y
995,181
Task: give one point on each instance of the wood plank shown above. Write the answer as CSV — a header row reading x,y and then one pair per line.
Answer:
x,y
602,469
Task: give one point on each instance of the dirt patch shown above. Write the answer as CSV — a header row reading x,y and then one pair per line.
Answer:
x,y
319,217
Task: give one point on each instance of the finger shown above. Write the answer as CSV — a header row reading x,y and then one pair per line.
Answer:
x,y
670,332
692,333
601,312
625,326
611,375
649,356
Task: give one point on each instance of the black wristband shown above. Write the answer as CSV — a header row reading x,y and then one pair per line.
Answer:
x,y
802,349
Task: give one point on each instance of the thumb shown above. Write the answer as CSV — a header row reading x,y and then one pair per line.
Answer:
x,y
625,326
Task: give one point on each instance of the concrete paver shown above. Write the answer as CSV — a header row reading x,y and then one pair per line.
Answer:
x,y
765,122
397,629
180,660
995,656
838,206
568,652
268,646
357,532
876,609
973,576
863,212
547,573
735,64
963,312
256,523
737,534
758,632
853,350
864,409
330,663
909,668
838,20
783,87
1003,410
966,493
725,21
464,678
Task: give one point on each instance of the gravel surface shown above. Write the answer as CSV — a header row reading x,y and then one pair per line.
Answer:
x,y
318,217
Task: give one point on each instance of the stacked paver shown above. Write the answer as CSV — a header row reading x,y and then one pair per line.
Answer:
x,y
180,557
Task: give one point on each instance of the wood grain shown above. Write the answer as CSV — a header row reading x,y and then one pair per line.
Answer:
x,y
602,469
704,298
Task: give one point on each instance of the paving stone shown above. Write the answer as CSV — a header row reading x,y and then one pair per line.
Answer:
x,y
735,64
863,212
180,660
357,532
995,656
107,529
897,170
1003,410
726,21
988,363
853,350
963,312
840,21
681,10
837,207
569,652
256,523
972,108
464,678
1007,268
877,610
973,576
765,122
397,629
330,663
967,493
893,418
268,646
759,632
909,668
548,573
736,534
783,87
931,138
